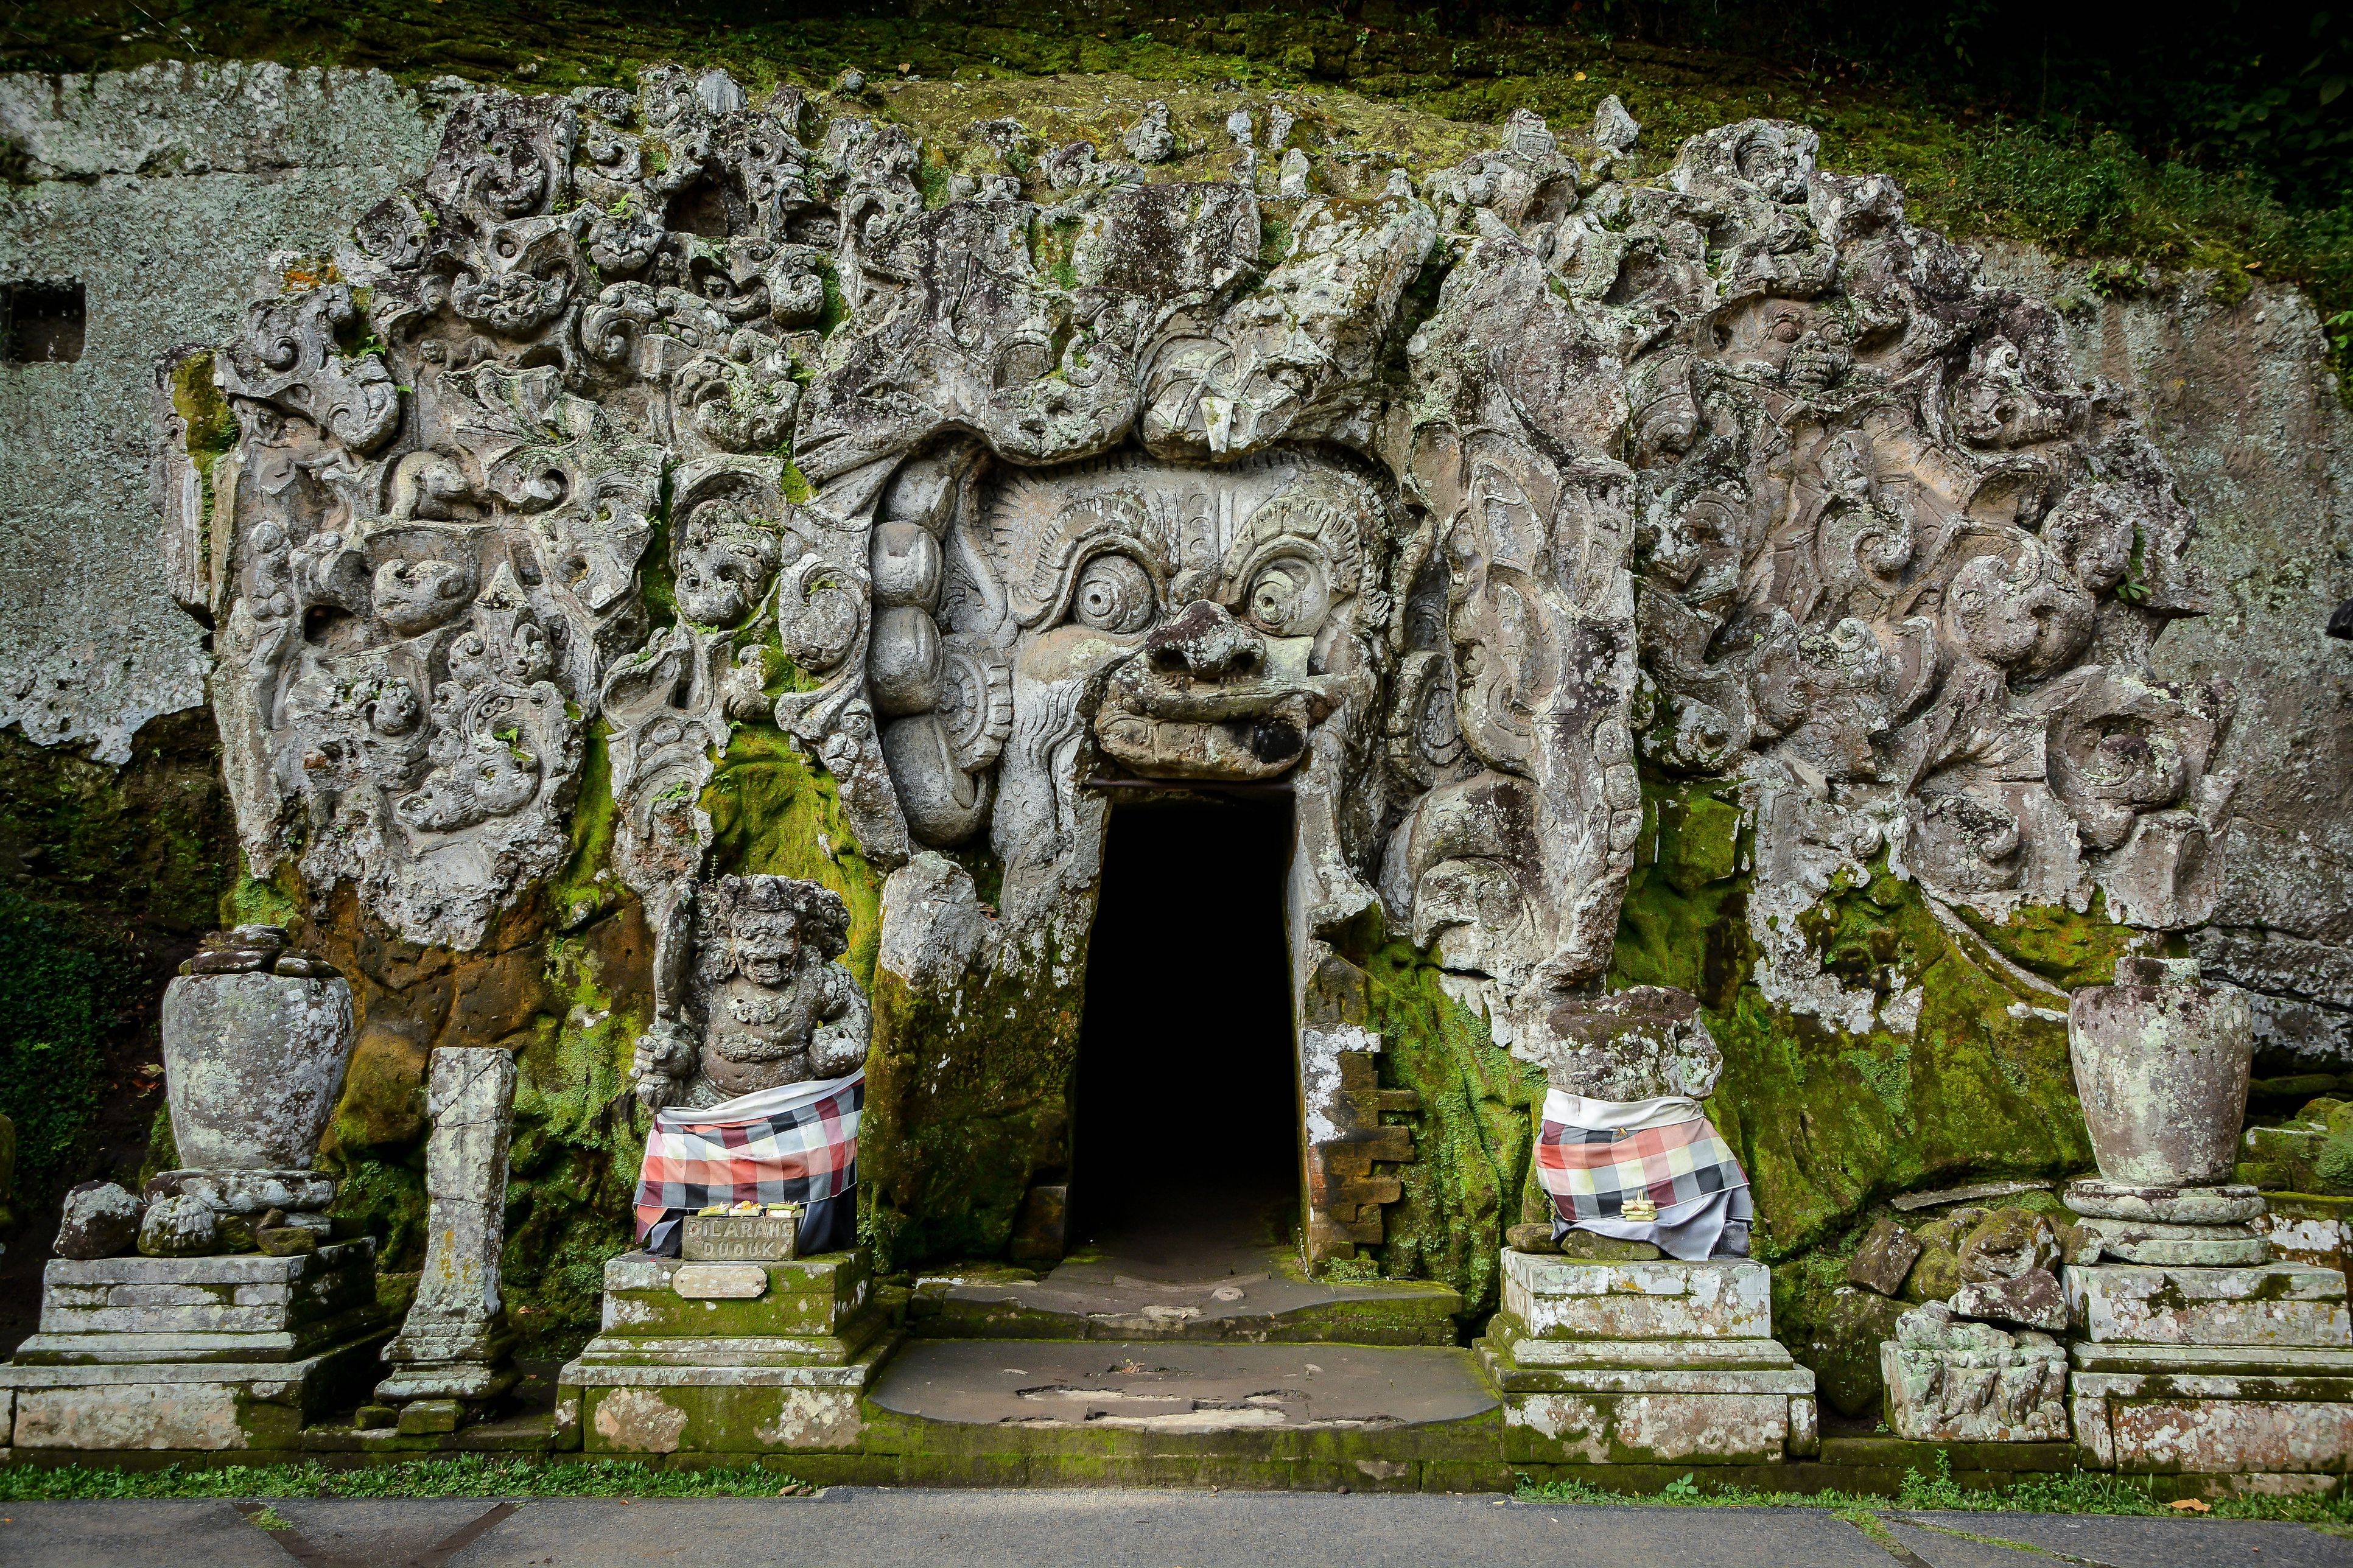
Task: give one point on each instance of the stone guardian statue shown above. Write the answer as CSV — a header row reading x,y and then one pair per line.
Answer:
x,y
748,994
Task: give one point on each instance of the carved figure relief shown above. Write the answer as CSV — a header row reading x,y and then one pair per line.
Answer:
x,y
753,999
989,500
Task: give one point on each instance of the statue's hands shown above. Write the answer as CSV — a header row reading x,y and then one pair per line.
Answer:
x,y
664,1057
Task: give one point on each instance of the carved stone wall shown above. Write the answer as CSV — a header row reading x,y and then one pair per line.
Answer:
x,y
660,413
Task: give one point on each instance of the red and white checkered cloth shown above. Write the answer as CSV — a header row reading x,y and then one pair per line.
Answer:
x,y
794,1145
1590,1174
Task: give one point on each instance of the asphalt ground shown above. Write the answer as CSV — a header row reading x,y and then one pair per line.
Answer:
x,y
855,1526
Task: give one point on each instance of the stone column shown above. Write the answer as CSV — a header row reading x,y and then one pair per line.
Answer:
x,y
448,1359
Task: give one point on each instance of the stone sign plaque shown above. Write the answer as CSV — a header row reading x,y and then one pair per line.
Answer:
x,y
742,1239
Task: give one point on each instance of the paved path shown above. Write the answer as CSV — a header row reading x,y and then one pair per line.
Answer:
x,y
867,1528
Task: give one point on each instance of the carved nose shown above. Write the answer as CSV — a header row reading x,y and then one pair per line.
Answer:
x,y
1205,642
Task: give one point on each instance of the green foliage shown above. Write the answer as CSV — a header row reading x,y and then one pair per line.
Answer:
x,y
465,1475
2074,1491
56,1001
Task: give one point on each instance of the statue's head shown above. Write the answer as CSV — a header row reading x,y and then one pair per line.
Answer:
x,y
757,926
1213,604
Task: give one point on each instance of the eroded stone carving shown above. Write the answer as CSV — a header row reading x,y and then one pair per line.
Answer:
x,y
1446,512
754,998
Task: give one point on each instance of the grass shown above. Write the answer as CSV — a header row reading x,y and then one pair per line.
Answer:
x,y
464,1475
2078,1491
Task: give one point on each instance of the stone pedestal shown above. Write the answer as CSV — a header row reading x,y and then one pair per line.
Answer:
x,y
1660,1362
221,1353
727,1357
2238,1373
1951,1380
450,1359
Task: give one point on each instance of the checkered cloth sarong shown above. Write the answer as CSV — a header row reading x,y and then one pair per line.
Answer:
x,y
1590,1174
794,1145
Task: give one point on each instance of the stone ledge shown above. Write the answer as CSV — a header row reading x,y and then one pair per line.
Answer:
x,y
2278,1304
228,1268
1572,1298
207,1347
855,1373
1683,1354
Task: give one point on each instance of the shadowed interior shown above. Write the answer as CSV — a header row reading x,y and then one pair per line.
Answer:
x,y
1188,1125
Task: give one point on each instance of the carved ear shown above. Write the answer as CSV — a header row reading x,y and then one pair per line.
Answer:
x,y
944,804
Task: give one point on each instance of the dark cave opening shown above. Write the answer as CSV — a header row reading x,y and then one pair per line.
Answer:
x,y
1188,1104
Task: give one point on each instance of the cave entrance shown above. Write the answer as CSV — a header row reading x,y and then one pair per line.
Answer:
x,y
1188,1118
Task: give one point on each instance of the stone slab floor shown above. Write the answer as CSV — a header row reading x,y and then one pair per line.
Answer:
x,y
848,1527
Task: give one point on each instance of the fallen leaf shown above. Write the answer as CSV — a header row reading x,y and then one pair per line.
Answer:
x,y
2191,1505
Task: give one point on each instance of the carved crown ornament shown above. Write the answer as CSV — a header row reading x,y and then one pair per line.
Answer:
x,y
661,412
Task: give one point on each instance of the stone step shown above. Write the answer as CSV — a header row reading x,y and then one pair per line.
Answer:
x,y
2279,1304
1403,1400
1102,1300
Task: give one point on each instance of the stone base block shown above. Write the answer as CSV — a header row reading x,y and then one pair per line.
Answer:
x,y
2166,1205
1946,1396
2216,1411
2277,1305
185,1406
1572,1299
666,1406
801,1298
727,1357
244,1307
1636,1425
1636,1401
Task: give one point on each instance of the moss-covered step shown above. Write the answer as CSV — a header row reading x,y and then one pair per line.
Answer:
x,y
1044,1412
807,1298
1264,1299
105,1410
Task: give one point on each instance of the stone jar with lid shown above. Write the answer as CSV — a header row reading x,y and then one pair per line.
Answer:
x,y
2161,1060
256,1040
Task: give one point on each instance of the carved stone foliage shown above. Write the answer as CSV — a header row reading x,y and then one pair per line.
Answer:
x,y
1442,505
748,994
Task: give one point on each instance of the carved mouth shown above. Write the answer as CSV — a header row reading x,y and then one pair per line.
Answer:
x,y
1244,747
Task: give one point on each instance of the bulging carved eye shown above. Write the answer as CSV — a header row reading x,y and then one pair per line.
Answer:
x,y
1287,597
1114,595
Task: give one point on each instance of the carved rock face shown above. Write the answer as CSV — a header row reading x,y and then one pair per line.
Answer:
x,y
1093,479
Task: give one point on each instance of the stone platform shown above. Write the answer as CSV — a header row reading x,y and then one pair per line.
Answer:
x,y
194,1353
1256,1296
2243,1372
726,1357
1638,1364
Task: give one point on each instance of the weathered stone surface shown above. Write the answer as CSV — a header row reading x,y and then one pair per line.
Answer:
x,y
1884,1259
1535,1237
1843,1350
453,1342
2226,1410
2280,1304
1641,1043
2230,1204
253,1063
2007,1245
1588,1246
197,1306
162,191
181,1228
1560,1298
1952,1382
2178,1245
99,1220
748,994
2162,1061
2029,1301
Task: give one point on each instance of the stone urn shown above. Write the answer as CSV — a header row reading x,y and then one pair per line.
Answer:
x,y
256,1038
2161,1060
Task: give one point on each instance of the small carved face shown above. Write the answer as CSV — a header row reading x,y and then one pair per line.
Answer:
x,y
768,948
725,561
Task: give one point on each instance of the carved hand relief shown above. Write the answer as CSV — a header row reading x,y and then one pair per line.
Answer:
x,y
633,400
